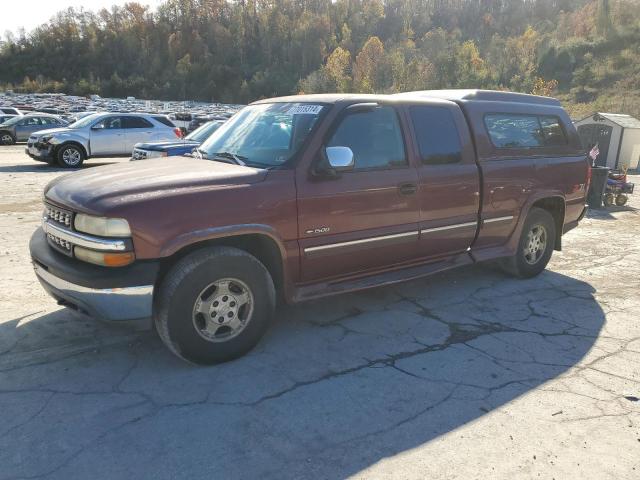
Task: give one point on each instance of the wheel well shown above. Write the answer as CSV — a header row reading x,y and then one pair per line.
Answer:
x,y
555,206
263,247
71,142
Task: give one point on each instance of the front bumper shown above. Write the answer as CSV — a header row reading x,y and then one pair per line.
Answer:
x,y
108,304
39,152
122,294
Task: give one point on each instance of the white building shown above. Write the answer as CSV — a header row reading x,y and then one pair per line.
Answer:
x,y
617,136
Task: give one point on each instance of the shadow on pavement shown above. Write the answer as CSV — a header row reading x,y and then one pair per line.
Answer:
x,y
336,386
45,168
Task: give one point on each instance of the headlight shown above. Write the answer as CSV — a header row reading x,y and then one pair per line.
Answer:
x,y
102,226
45,138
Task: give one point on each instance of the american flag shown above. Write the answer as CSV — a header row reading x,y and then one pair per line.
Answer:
x,y
595,151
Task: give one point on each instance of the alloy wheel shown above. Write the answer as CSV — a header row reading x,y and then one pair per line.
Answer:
x,y
535,245
223,310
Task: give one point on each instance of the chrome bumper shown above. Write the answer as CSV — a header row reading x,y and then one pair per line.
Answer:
x,y
112,304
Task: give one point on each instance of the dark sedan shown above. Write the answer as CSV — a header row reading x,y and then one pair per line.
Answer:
x,y
143,151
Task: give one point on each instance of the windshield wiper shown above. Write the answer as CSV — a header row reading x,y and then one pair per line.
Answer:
x,y
237,159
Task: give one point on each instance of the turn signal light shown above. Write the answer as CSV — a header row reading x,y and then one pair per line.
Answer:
x,y
106,259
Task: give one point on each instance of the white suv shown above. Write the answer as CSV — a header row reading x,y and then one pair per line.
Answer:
x,y
99,135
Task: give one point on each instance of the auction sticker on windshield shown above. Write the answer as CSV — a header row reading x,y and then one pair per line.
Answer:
x,y
305,110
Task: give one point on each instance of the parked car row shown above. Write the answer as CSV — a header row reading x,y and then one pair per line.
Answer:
x,y
69,106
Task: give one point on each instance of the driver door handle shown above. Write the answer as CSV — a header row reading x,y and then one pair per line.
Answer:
x,y
407,189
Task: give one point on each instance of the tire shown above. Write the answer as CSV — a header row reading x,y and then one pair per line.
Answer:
x,y
608,200
209,280
70,156
6,138
533,255
621,200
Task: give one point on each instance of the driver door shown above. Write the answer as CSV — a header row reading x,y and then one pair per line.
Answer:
x,y
365,218
108,136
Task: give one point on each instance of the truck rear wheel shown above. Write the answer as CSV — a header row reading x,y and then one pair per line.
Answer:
x,y
214,305
535,247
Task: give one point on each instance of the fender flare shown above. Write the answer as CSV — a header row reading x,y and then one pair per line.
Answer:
x,y
214,233
512,244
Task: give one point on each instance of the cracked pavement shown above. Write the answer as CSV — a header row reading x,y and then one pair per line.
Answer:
x,y
466,374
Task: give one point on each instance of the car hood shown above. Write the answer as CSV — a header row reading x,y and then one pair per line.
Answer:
x,y
50,131
99,190
162,146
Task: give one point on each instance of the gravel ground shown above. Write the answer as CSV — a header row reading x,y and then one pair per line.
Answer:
x,y
468,374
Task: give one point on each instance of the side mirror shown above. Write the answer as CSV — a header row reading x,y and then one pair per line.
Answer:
x,y
340,158
98,126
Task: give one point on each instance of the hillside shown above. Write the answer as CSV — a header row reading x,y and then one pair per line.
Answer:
x,y
587,52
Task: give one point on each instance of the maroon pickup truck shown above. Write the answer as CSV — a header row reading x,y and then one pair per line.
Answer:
x,y
305,196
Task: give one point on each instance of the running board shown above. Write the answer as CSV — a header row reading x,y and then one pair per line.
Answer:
x,y
325,289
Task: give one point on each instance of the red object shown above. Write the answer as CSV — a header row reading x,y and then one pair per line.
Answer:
x,y
178,132
588,182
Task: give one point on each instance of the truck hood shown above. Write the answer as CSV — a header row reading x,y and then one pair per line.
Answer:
x,y
98,190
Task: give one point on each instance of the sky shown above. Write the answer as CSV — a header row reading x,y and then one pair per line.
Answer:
x,y
31,13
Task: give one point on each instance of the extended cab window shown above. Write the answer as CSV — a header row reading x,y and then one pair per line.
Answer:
x,y
136,122
509,130
553,132
437,135
514,131
374,137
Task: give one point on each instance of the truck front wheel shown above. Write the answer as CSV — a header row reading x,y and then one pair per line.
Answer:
x,y
214,305
536,245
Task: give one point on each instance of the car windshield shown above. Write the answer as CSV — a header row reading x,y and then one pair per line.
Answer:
x,y
85,121
264,135
14,120
203,132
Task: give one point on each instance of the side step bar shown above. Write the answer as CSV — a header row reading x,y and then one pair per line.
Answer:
x,y
316,290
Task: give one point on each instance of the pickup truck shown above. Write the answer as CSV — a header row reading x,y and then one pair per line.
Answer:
x,y
306,196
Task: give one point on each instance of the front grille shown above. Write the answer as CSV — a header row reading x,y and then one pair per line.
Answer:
x,y
58,215
60,244
139,154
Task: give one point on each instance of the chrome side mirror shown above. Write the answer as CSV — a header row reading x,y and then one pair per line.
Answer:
x,y
340,158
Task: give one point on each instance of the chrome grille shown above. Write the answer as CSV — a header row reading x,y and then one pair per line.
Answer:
x,y
58,215
60,244
139,154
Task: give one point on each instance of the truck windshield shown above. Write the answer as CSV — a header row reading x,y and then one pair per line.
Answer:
x,y
264,135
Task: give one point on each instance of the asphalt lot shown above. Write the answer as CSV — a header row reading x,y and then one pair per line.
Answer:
x,y
463,375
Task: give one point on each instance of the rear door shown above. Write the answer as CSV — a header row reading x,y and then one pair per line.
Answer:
x,y
367,218
137,130
512,154
449,179
108,136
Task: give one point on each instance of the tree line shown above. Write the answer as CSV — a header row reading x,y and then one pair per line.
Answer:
x,y
238,51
